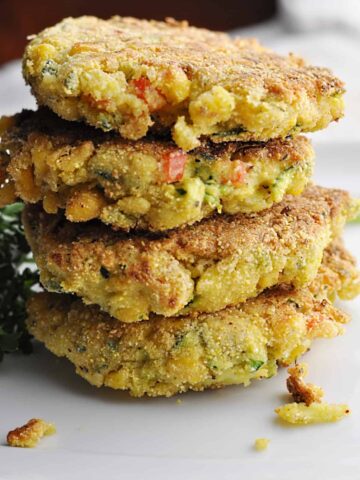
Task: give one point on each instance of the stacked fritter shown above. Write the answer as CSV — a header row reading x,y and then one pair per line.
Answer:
x,y
168,204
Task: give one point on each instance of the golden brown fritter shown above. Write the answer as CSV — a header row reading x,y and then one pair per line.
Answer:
x,y
148,184
129,75
221,261
165,356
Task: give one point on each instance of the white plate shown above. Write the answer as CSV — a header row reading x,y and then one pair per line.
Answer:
x,y
210,435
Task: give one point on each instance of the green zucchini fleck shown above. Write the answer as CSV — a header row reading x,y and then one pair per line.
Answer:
x,y
50,68
81,348
292,302
229,133
54,286
112,343
179,338
105,175
104,124
256,364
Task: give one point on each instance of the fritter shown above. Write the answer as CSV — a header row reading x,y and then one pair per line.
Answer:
x,y
221,261
129,75
149,184
166,356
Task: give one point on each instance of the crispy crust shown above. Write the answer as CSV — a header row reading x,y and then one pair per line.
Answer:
x,y
128,74
170,355
50,159
219,262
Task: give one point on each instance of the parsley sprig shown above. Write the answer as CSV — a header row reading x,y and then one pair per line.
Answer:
x,y
16,282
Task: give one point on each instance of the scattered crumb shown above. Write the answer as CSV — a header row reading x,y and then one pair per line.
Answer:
x,y
29,434
308,406
302,392
178,401
261,444
301,414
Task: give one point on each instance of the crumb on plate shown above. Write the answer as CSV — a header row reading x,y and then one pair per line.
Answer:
x,y
308,406
302,392
261,444
301,414
28,435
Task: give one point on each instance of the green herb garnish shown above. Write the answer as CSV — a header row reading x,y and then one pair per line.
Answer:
x,y
16,282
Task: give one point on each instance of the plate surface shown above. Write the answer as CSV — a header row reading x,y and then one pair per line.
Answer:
x,y
209,435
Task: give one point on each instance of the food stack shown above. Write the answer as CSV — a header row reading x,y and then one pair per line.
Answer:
x,y
169,204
